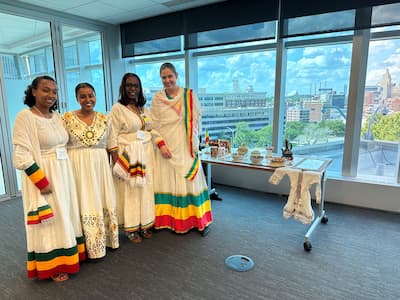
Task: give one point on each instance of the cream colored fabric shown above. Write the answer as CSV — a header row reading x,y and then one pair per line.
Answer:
x,y
169,120
95,186
135,204
35,139
299,205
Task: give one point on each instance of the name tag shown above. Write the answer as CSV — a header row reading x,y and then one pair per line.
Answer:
x,y
140,135
61,153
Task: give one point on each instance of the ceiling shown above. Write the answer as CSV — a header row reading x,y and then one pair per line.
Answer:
x,y
27,34
118,11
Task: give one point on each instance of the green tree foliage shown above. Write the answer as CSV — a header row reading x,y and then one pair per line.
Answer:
x,y
296,132
294,129
385,128
244,135
336,127
264,136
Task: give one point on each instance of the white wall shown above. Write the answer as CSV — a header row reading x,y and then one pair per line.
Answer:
x,y
353,193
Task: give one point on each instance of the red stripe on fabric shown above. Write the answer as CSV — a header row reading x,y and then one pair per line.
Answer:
x,y
182,226
191,123
70,269
33,222
45,217
122,163
160,144
42,183
82,256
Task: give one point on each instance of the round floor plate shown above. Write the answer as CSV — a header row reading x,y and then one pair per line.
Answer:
x,y
239,263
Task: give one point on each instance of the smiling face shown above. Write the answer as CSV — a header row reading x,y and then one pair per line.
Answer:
x,y
132,88
45,94
86,98
168,77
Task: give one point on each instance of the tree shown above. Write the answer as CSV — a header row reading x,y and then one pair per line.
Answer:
x,y
244,135
294,129
264,136
385,128
336,127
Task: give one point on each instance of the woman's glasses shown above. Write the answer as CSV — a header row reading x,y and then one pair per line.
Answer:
x,y
132,85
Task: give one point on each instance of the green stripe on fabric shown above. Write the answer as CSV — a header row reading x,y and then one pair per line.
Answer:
x,y
182,201
52,254
194,166
33,213
80,240
32,169
42,208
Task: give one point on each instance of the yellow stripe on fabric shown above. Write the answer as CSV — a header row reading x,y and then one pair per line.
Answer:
x,y
51,264
45,212
124,161
193,171
183,213
31,218
81,248
189,118
37,176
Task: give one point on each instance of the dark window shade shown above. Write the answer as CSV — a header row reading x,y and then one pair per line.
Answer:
x,y
164,45
319,24
295,8
229,14
210,17
237,34
154,28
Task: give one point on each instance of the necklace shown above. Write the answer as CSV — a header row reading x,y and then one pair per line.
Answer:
x,y
42,114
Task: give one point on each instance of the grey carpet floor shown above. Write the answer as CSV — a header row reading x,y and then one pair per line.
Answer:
x,y
355,256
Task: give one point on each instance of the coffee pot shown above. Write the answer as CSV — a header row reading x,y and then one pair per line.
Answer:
x,y
287,151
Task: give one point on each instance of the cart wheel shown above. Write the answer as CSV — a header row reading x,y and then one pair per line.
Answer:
x,y
324,220
307,246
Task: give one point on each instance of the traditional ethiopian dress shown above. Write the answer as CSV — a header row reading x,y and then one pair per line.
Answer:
x,y
87,150
53,229
135,194
181,193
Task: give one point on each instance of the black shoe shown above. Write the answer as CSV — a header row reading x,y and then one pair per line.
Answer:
x,y
205,231
215,196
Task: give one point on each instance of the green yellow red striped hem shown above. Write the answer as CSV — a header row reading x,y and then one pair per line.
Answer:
x,y
182,201
183,226
183,213
45,265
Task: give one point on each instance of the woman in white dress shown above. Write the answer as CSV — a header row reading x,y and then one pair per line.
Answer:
x,y
181,193
54,237
89,132
133,167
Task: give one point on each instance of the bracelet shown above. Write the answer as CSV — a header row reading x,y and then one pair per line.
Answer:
x,y
160,144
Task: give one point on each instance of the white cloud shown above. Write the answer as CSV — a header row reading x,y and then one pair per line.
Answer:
x,y
318,61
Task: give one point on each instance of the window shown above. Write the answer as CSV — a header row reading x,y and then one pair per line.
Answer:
x,y
149,74
236,93
379,140
317,78
83,63
25,52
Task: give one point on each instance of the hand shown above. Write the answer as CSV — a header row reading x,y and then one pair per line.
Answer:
x,y
114,156
165,152
47,190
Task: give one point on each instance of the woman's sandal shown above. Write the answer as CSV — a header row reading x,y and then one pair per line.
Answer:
x,y
135,237
147,234
60,277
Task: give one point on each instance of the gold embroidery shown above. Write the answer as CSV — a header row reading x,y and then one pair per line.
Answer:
x,y
88,135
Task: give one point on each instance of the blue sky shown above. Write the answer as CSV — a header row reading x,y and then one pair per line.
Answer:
x,y
307,69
